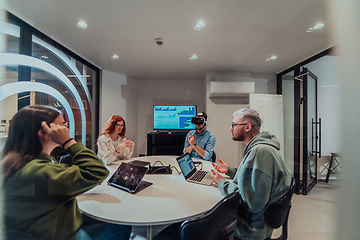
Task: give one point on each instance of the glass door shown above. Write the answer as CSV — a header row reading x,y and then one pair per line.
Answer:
x,y
290,105
310,130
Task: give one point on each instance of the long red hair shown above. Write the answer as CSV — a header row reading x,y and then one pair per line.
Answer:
x,y
110,126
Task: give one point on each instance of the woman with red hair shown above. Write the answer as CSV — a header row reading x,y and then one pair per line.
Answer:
x,y
112,143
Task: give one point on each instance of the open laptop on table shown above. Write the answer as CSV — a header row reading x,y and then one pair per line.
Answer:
x,y
190,173
128,177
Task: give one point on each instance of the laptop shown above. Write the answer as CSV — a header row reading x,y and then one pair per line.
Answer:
x,y
190,173
128,177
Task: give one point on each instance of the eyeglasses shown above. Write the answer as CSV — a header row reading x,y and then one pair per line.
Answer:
x,y
236,124
118,125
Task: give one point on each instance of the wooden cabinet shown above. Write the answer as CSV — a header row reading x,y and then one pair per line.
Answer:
x,y
165,143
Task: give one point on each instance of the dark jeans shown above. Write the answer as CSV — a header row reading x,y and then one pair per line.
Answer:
x,y
98,230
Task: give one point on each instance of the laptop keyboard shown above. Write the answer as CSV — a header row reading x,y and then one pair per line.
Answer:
x,y
198,176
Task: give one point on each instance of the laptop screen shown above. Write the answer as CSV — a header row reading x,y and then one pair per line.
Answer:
x,y
186,164
128,175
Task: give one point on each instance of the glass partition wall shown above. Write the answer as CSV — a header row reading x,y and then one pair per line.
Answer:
x,y
302,124
37,70
288,86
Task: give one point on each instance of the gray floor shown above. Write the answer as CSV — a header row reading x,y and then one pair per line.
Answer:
x,y
312,217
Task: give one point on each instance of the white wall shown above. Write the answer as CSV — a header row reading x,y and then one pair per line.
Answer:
x,y
329,102
270,108
220,112
118,96
111,100
133,99
348,35
288,122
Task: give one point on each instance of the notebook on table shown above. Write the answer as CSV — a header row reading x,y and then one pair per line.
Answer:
x,y
190,173
128,177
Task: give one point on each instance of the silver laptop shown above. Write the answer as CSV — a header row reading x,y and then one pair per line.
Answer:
x,y
128,177
190,173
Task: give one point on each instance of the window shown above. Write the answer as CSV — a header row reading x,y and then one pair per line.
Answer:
x,y
38,70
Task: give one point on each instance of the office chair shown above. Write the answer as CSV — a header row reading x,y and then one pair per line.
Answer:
x,y
217,224
277,214
12,234
213,157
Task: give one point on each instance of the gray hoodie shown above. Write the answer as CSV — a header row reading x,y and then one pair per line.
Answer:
x,y
261,179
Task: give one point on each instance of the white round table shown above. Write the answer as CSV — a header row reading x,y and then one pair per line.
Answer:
x,y
170,199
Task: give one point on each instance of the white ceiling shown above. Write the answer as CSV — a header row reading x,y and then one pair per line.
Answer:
x,y
238,34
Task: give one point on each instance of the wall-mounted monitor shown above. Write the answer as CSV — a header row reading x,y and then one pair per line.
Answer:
x,y
173,117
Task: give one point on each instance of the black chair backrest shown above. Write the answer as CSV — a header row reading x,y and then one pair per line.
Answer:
x,y
217,224
276,213
18,235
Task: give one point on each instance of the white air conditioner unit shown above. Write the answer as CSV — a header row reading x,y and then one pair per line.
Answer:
x,y
231,89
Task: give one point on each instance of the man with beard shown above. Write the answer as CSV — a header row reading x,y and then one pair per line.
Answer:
x,y
261,179
200,143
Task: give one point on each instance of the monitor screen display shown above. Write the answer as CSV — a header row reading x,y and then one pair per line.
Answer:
x,y
173,117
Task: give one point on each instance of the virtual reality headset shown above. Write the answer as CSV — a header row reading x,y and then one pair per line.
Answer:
x,y
198,120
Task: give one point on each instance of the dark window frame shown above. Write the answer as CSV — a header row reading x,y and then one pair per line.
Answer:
x,y
26,32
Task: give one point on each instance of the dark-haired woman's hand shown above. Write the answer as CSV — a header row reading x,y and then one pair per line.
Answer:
x,y
58,134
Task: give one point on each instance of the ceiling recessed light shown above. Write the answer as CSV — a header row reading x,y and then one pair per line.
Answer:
x,y
199,25
193,57
82,24
114,56
271,58
310,29
319,25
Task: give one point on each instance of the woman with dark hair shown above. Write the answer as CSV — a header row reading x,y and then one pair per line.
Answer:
x,y
40,194
112,143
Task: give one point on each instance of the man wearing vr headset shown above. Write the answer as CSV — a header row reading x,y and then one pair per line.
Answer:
x,y
200,143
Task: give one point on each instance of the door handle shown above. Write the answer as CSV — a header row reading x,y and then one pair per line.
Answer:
x,y
319,137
